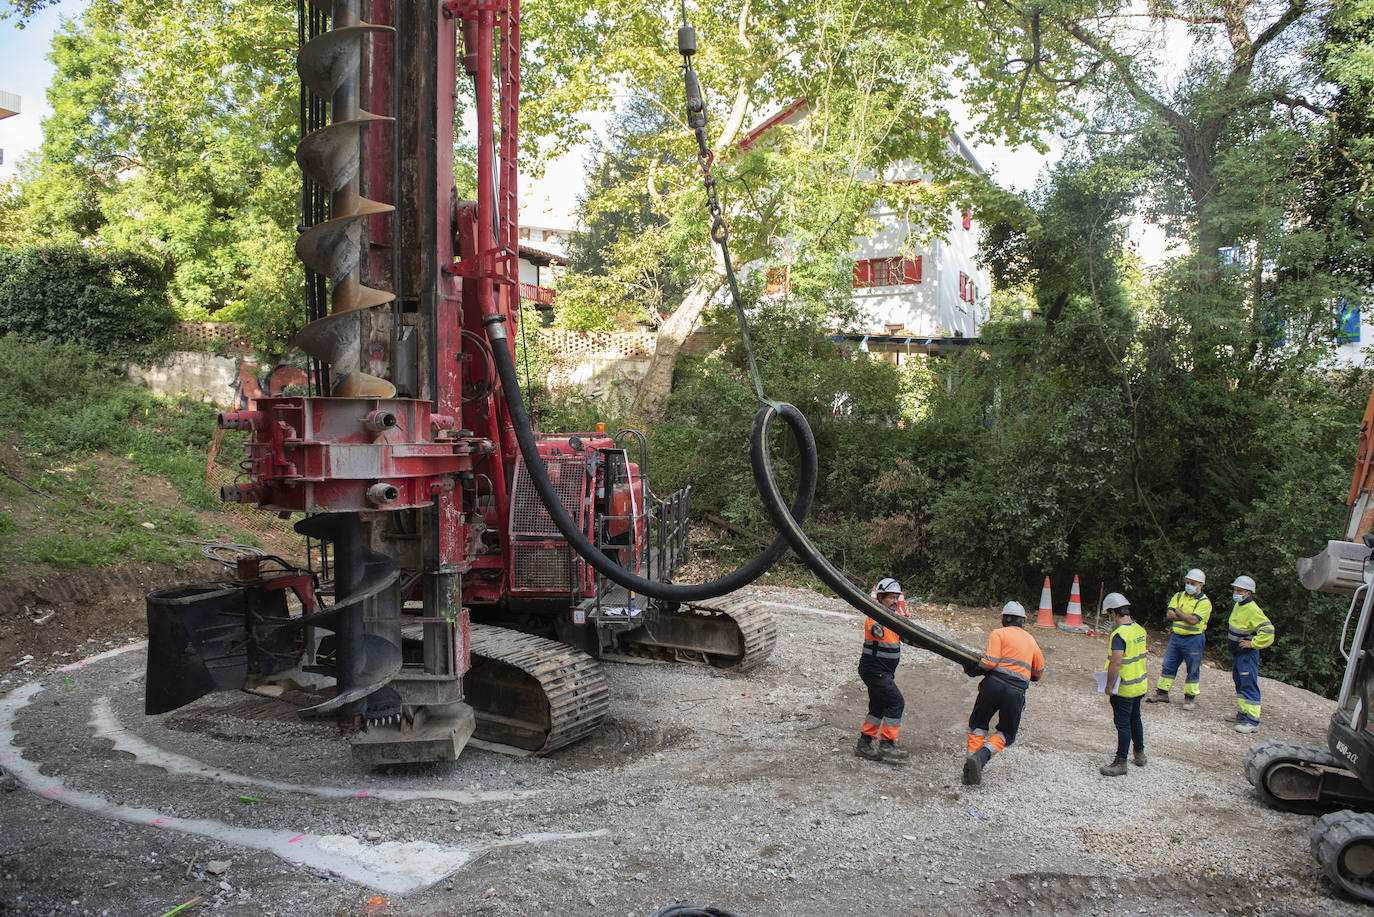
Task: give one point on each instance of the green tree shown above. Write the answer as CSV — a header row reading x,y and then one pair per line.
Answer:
x,y
1335,176
1107,59
1147,430
873,98
173,135
619,267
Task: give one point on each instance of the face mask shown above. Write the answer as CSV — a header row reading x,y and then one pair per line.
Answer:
x,y
1190,589
1237,597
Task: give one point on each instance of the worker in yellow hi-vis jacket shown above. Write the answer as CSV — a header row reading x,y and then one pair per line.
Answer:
x,y
1188,614
1249,632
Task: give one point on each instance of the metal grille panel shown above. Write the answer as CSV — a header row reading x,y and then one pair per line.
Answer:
x,y
528,516
540,566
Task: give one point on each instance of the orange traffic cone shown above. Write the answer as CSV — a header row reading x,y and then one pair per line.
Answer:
x,y
1046,616
1073,615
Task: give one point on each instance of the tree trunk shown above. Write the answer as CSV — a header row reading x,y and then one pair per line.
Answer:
x,y
651,399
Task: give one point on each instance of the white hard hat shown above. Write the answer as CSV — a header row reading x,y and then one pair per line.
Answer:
x,y
1244,582
1013,609
1113,601
1196,575
888,585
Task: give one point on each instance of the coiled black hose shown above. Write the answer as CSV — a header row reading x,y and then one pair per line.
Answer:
x,y
789,528
668,592
788,522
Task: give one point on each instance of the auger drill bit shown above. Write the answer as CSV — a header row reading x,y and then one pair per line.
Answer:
x,y
364,618
330,65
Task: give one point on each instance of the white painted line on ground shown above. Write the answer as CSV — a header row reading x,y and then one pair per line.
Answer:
x,y
100,657
815,611
106,725
392,867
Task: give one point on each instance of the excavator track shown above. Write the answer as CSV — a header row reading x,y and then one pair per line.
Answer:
x,y
1303,778
532,695
735,633
1343,843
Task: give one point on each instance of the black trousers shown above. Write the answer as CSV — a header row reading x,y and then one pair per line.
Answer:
x,y
885,701
1129,728
1007,701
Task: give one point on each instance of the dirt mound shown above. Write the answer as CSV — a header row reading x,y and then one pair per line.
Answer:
x,y
58,617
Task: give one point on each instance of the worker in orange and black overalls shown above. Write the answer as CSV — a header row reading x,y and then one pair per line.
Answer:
x,y
1014,660
877,667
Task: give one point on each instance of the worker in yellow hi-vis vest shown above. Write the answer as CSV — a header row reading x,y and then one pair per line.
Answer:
x,y
1188,614
1249,631
1127,680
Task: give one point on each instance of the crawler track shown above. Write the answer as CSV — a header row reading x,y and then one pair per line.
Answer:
x,y
1303,778
735,633
531,694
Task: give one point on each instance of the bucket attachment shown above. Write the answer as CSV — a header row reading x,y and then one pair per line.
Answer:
x,y
212,637
1339,569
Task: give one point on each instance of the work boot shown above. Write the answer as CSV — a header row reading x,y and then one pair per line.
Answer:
x,y
973,771
1189,702
867,749
1116,769
1159,697
890,752
1247,727
1139,760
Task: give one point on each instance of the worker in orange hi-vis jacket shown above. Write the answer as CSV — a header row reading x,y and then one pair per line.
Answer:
x,y
1014,660
878,668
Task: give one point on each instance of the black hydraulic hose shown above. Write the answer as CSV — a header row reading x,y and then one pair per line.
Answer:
x,y
668,592
789,527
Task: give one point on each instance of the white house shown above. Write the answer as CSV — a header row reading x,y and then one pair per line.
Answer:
x,y
935,290
1354,330
940,289
1356,337
545,225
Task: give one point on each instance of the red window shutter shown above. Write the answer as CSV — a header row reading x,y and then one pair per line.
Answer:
x,y
963,286
863,274
773,280
968,218
911,270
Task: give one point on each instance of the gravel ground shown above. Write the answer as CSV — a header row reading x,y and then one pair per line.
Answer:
x,y
703,786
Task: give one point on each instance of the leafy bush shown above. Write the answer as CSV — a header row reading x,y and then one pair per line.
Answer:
x,y
851,404
1124,450
1057,458
113,302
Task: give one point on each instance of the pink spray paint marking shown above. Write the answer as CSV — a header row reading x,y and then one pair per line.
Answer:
x,y
296,838
362,794
158,821
53,792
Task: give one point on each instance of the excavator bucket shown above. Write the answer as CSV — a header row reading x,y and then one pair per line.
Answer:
x,y
1338,570
212,637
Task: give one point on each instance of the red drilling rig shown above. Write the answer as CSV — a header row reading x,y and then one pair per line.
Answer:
x,y
445,598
